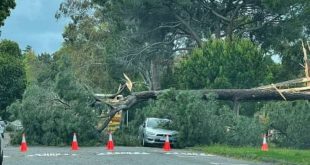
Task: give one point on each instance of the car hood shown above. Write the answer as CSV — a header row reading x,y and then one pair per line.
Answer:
x,y
161,131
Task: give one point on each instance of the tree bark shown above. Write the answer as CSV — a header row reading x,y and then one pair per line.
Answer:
x,y
155,75
236,107
235,95
221,94
257,94
190,30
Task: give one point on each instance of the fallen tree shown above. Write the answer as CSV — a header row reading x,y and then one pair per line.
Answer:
x,y
297,89
125,103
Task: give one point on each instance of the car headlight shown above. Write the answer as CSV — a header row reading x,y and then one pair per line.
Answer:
x,y
150,133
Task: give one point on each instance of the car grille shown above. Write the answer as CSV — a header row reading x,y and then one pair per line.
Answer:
x,y
163,135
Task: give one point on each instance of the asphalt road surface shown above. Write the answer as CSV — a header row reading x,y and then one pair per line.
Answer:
x,y
120,156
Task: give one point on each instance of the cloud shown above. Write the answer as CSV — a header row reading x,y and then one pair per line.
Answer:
x,y
32,23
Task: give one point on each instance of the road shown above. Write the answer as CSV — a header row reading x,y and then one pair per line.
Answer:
x,y
120,156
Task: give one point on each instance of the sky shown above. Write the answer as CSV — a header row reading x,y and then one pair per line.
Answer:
x,y
33,23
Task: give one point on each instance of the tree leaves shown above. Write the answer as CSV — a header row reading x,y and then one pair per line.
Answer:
x,y
5,7
12,76
223,64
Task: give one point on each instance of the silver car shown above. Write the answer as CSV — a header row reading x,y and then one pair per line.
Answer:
x,y
150,132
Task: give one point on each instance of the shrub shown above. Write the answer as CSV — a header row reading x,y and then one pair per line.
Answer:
x,y
292,120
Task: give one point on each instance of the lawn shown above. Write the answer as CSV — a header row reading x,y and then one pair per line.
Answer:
x,y
274,155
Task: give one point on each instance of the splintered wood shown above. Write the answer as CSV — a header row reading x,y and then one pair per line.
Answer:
x,y
296,85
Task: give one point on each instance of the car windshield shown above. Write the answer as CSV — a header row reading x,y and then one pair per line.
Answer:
x,y
156,123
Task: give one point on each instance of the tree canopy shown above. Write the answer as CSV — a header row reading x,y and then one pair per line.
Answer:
x,y
12,75
224,64
5,9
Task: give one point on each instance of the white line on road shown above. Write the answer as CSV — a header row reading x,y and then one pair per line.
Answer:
x,y
51,155
187,154
123,153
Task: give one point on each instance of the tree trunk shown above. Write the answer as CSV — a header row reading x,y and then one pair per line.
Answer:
x,y
232,94
236,107
256,94
221,94
218,29
235,95
155,75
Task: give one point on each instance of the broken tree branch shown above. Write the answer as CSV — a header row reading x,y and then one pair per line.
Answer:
x,y
279,92
62,102
190,30
285,83
305,59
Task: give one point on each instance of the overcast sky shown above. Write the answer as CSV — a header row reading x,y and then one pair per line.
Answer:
x,y
32,22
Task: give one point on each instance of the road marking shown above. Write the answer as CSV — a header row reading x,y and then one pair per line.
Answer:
x,y
123,153
226,163
187,154
51,155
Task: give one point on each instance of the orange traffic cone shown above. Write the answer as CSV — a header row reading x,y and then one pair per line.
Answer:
x,y
110,144
74,145
23,145
265,145
167,144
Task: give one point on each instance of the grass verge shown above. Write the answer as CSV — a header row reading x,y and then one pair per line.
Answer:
x,y
274,155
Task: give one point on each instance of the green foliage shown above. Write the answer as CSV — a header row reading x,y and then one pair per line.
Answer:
x,y
14,109
5,7
40,69
10,48
202,122
51,113
292,120
246,131
31,67
223,64
107,38
12,76
130,34
49,122
125,137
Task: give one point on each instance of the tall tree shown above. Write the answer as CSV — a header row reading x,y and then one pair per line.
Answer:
x,y
148,34
224,64
12,75
85,43
5,7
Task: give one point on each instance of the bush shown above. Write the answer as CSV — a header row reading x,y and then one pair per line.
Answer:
x,y
246,132
9,128
125,138
47,121
16,137
292,120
